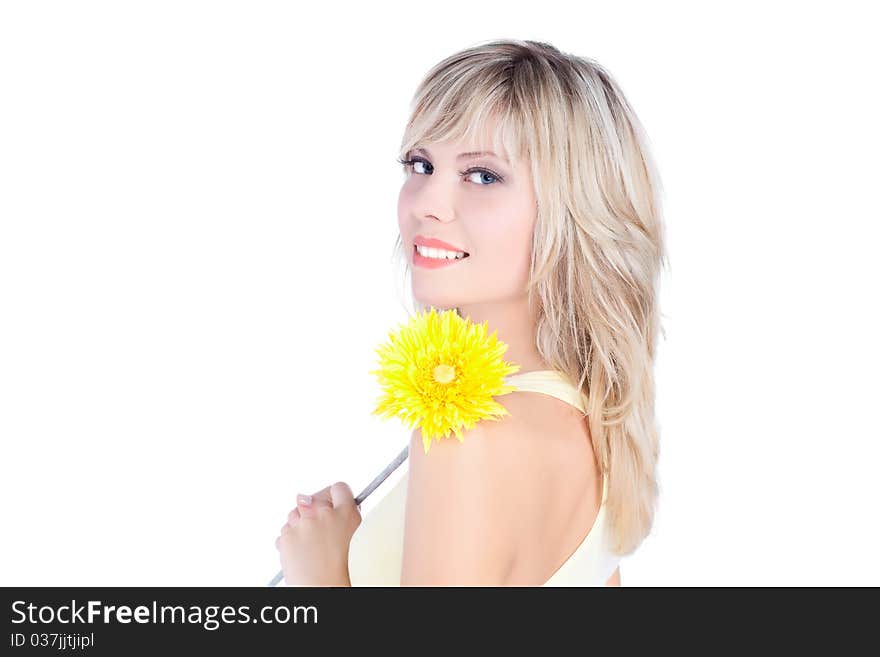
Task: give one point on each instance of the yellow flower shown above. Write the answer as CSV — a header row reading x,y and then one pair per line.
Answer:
x,y
440,372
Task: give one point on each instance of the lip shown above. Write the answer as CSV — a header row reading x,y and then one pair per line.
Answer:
x,y
420,240
433,263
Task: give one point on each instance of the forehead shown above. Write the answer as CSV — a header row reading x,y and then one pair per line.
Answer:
x,y
453,151
466,147
471,138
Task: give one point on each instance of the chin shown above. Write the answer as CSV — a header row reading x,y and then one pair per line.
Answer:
x,y
441,302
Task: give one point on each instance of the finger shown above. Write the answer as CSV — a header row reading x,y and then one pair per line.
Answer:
x,y
341,494
306,508
322,497
309,505
293,516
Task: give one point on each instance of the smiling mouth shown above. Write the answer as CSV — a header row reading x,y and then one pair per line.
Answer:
x,y
439,254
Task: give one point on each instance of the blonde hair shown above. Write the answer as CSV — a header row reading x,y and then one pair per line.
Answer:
x,y
598,243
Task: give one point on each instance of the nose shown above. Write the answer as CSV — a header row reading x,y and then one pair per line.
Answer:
x,y
432,201
433,217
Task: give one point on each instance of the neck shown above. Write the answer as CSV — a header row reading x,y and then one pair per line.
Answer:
x,y
515,323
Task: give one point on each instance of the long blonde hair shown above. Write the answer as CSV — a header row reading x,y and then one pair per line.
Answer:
x,y
598,243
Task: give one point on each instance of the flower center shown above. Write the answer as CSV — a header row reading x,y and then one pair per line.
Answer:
x,y
444,373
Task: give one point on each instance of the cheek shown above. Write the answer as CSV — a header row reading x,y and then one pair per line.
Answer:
x,y
507,235
401,209
505,256
405,221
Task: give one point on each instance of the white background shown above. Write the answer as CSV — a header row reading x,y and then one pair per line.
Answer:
x,y
197,211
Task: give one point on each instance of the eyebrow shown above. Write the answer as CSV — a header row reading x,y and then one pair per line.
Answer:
x,y
464,156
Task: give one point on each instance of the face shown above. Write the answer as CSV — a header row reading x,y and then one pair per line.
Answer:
x,y
479,204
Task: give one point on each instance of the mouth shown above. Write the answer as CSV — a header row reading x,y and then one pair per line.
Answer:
x,y
429,253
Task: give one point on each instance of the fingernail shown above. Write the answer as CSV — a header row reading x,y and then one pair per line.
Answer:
x,y
303,499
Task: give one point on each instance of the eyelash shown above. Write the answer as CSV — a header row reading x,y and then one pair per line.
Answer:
x,y
413,160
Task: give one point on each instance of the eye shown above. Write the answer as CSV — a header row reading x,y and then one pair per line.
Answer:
x,y
411,163
482,172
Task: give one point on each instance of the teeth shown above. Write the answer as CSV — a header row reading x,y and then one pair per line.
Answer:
x,y
429,252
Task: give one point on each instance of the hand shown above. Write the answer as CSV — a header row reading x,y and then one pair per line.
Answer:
x,y
314,541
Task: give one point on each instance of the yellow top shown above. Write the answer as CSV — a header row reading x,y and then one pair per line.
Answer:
x,y
375,554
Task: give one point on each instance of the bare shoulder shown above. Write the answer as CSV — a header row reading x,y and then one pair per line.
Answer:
x,y
470,503
460,520
550,426
563,481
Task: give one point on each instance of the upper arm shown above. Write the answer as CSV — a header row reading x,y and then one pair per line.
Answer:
x,y
460,522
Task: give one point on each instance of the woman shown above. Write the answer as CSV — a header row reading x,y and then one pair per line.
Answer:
x,y
530,202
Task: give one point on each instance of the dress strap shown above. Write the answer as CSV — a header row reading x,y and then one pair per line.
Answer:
x,y
549,382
